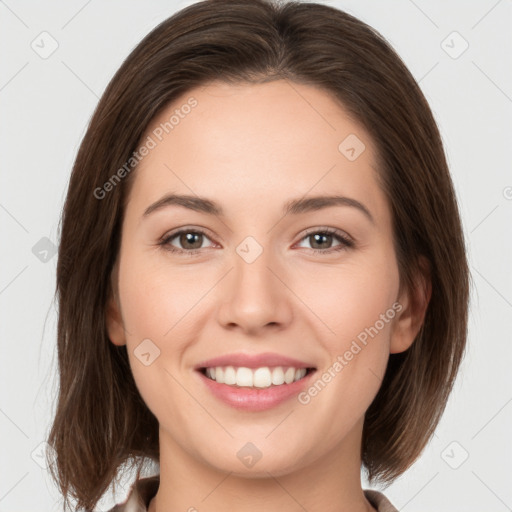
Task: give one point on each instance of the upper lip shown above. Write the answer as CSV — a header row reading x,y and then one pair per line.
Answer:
x,y
253,361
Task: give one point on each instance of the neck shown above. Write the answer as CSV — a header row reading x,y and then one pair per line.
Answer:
x,y
331,482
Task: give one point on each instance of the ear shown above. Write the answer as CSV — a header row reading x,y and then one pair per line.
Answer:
x,y
414,304
114,319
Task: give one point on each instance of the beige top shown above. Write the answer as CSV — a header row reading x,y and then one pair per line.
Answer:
x,y
143,491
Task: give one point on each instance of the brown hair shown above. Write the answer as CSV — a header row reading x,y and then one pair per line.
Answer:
x,y
101,420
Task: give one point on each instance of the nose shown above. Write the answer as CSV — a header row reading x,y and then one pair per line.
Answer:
x,y
255,296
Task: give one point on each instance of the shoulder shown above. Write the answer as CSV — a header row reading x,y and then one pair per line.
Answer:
x,y
141,493
379,501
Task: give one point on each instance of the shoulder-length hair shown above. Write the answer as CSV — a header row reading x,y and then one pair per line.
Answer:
x,y
101,420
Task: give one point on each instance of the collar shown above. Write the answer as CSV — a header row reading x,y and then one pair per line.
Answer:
x,y
144,489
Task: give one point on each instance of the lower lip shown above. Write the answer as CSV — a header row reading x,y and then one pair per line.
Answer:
x,y
255,399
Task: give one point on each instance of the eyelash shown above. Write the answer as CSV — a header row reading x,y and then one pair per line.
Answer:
x,y
346,242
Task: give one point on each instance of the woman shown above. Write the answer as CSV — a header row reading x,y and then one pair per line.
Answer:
x,y
317,321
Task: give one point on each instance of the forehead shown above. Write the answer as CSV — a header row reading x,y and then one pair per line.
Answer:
x,y
268,141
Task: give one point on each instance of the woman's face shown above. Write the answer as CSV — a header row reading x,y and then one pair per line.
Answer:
x,y
248,276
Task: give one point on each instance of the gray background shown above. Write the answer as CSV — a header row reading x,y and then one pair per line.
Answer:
x,y
46,104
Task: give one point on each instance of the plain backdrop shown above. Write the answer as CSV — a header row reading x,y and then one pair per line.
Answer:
x,y
459,51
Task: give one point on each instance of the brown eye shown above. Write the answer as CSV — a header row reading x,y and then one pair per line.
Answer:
x,y
321,240
189,241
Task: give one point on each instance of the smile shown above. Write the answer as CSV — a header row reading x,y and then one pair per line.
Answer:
x,y
248,396
263,377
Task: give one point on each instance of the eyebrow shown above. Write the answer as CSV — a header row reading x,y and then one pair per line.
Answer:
x,y
293,207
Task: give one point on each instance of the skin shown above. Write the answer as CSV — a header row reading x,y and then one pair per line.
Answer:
x,y
251,148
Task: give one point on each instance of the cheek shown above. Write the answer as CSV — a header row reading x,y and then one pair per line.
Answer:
x,y
157,309
350,299
355,306
364,321
157,303
152,305
358,307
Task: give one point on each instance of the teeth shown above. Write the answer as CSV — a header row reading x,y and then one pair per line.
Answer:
x,y
255,378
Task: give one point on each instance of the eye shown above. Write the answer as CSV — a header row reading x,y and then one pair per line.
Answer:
x,y
321,240
191,241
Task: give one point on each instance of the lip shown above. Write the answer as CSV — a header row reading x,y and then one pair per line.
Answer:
x,y
255,399
253,361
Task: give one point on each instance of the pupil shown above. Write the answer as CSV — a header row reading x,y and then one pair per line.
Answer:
x,y
188,238
320,235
